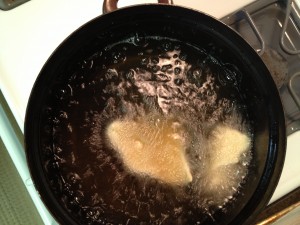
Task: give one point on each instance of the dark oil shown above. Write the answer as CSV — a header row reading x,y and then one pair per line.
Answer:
x,y
132,79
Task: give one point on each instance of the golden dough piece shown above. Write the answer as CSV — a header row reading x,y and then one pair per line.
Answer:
x,y
154,149
228,145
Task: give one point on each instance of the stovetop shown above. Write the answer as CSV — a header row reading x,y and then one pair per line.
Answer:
x,y
31,32
262,25
272,28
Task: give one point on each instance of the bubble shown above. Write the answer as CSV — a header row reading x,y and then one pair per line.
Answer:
x,y
178,81
94,214
130,74
67,190
155,68
62,94
144,61
111,74
183,56
177,47
167,46
164,68
63,115
155,60
139,39
118,57
79,197
73,178
160,82
52,166
55,121
65,93
229,75
196,73
57,150
177,62
70,128
87,64
177,71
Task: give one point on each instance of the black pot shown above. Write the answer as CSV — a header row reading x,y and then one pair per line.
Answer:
x,y
256,88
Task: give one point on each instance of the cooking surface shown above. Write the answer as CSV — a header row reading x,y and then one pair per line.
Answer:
x,y
282,65
29,38
268,17
32,31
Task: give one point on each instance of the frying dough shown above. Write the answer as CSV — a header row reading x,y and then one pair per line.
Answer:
x,y
152,148
228,145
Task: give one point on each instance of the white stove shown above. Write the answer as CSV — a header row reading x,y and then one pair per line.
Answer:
x,y
29,34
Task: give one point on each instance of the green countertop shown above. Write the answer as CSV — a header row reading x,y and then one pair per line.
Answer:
x,y
16,206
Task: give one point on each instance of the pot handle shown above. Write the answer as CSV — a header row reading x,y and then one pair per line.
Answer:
x,y
111,5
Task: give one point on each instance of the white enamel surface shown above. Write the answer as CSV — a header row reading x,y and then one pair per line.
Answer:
x,y
290,178
28,36
216,8
32,31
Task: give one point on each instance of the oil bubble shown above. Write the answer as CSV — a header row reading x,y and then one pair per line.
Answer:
x,y
63,115
178,81
169,84
130,74
164,68
155,68
111,74
183,56
73,178
155,60
167,46
65,93
118,57
144,61
139,39
177,71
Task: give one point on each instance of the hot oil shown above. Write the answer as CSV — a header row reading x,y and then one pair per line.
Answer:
x,y
157,79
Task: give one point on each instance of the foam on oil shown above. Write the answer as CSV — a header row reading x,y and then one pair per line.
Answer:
x,y
185,96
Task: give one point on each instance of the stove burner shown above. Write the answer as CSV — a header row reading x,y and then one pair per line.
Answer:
x,y
277,66
272,29
289,5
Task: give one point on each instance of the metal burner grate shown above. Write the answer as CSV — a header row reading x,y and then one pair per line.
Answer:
x,y
272,28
